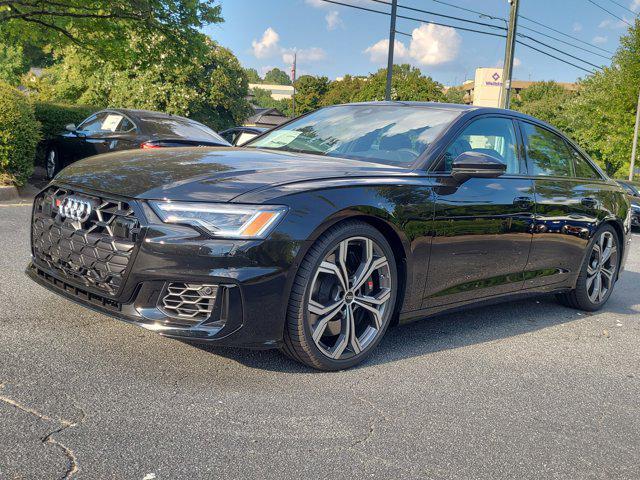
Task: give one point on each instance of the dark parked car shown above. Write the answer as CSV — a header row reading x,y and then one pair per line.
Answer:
x,y
633,191
321,233
238,136
120,129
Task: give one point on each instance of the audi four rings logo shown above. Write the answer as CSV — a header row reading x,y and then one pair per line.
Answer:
x,y
75,208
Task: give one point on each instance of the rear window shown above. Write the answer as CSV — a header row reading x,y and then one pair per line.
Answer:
x,y
182,128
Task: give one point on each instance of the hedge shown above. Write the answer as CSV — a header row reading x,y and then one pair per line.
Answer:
x,y
19,135
54,117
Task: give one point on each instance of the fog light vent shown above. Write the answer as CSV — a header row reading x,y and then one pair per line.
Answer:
x,y
193,301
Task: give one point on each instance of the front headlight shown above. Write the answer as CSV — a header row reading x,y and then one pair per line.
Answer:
x,y
222,220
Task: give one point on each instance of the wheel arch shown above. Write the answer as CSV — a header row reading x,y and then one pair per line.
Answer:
x,y
381,221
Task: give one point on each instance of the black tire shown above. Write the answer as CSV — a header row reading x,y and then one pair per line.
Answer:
x,y
52,164
299,343
582,297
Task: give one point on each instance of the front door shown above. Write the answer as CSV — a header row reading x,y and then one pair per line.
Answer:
x,y
482,227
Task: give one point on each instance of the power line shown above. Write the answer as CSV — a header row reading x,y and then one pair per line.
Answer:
x,y
422,20
553,56
494,34
566,35
559,51
451,17
481,14
524,27
608,11
622,6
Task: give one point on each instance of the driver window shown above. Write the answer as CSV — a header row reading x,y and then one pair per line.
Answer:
x,y
492,136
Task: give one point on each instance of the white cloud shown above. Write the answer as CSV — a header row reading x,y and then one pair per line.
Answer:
x,y
635,5
304,55
430,45
516,62
433,45
333,20
268,45
577,27
599,40
379,51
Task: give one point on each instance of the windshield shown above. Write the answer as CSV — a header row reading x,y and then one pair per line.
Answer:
x,y
391,134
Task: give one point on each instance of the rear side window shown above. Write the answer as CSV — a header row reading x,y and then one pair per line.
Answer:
x,y
582,167
492,136
93,124
182,128
547,153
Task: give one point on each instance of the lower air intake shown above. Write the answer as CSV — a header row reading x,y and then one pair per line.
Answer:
x,y
189,301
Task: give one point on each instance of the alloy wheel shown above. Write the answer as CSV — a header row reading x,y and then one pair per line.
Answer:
x,y
349,298
601,268
51,163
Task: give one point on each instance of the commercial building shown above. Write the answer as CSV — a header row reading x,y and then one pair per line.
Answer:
x,y
278,92
484,90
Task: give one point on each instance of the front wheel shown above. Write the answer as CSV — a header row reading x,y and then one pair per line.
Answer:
x,y
342,298
598,274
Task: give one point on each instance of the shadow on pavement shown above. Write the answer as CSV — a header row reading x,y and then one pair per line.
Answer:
x,y
454,330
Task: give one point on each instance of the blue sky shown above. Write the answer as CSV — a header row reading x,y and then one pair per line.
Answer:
x,y
333,40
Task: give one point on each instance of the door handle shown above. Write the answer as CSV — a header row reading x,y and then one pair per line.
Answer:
x,y
589,202
526,203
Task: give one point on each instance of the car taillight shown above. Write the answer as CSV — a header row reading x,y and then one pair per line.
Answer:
x,y
149,145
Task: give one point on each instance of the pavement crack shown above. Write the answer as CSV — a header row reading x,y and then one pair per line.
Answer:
x,y
72,461
365,438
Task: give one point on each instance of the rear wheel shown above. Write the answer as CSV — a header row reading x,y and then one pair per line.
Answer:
x,y
342,299
599,273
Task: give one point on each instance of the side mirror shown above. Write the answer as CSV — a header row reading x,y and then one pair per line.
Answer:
x,y
476,164
71,127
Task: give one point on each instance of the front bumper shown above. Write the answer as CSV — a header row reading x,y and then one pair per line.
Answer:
x,y
251,280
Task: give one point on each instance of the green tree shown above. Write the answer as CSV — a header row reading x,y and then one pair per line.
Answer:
x,y
211,88
345,90
310,92
252,75
601,116
277,77
454,95
546,101
408,83
13,64
107,27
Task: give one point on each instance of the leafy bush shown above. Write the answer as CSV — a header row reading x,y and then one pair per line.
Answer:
x,y
53,117
19,134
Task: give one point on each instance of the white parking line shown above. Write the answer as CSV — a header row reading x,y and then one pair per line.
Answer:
x,y
15,204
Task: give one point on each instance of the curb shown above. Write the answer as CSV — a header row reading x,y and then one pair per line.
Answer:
x,y
8,193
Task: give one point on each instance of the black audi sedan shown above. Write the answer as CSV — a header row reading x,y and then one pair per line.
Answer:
x,y
121,129
319,235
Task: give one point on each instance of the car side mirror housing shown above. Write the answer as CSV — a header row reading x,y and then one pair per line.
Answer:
x,y
71,127
476,165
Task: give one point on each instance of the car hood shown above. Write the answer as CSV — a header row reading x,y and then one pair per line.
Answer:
x,y
208,174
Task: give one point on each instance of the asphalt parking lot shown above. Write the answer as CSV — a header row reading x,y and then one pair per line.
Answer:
x,y
527,389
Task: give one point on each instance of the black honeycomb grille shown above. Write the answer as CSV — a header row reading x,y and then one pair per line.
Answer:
x,y
94,252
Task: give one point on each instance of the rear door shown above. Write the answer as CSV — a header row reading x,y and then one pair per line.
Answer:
x,y
570,194
482,227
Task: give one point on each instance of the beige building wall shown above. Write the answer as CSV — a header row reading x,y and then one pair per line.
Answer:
x,y
487,86
278,92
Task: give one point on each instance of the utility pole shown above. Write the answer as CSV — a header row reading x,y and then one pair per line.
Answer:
x,y
505,94
293,82
392,41
634,148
